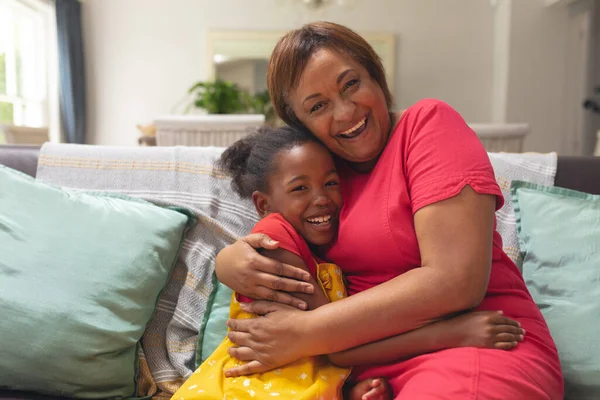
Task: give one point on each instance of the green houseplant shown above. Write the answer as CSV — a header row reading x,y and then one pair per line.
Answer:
x,y
218,97
223,97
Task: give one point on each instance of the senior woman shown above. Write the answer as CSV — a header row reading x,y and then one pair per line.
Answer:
x,y
416,240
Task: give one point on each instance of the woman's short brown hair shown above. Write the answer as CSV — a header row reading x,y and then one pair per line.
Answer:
x,y
292,52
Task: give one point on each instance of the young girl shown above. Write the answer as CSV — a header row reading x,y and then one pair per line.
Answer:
x,y
293,183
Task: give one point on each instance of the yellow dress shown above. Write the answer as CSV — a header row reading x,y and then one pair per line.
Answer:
x,y
311,378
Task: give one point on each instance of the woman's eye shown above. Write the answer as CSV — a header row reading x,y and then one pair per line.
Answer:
x,y
350,83
298,188
316,108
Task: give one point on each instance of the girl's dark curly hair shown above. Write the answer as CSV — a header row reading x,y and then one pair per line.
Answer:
x,y
250,160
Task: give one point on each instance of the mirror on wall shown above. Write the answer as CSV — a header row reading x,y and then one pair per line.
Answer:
x,y
242,56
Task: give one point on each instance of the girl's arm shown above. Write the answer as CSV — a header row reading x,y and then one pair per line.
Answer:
x,y
484,329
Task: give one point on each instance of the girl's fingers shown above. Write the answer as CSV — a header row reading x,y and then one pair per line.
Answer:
x,y
508,329
508,337
505,345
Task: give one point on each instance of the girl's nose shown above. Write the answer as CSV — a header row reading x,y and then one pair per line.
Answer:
x,y
321,200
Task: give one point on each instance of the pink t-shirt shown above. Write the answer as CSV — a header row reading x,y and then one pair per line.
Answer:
x,y
430,157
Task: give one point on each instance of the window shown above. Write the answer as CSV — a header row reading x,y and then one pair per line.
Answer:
x,y
25,73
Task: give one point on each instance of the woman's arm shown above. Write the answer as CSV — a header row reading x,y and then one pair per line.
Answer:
x,y
243,269
313,300
455,241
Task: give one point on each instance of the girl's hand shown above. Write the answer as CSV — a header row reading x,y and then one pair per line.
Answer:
x,y
243,269
485,330
276,338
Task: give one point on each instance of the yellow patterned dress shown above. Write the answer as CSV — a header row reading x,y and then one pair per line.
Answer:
x,y
311,378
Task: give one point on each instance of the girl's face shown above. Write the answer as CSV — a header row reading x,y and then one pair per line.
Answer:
x,y
339,102
304,188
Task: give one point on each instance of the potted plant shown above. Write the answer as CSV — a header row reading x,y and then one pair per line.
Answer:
x,y
218,97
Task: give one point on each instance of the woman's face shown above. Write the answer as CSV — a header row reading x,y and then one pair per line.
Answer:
x,y
339,102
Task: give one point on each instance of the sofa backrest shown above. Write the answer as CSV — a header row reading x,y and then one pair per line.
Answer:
x,y
578,173
20,157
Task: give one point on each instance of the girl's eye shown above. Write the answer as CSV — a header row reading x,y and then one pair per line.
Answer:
x,y
349,84
316,108
298,188
332,183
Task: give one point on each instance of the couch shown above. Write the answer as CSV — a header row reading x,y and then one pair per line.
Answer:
x,y
578,173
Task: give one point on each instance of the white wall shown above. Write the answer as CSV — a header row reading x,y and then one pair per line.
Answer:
x,y
537,72
142,55
241,72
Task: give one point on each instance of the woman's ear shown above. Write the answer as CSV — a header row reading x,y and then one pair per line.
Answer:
x,y
261,203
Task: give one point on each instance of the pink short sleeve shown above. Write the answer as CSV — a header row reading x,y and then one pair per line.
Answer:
x,y
442,155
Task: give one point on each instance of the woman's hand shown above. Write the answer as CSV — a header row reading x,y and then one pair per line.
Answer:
x,y
243,269
276,338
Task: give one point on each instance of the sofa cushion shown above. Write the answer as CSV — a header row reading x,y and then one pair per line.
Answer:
x,y
559,233
79,278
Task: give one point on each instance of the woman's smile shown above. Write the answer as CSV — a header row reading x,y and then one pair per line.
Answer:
x,y
343,106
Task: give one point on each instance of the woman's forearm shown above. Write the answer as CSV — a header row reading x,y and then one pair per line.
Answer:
x,y
407,302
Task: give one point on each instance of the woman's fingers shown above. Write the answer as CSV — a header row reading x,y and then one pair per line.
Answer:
x,y
239,338
242,353
239,325
260,241
261,308
282,283
253,367
280,297
280,270
261,263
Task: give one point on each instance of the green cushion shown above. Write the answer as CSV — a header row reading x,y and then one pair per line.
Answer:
x,y
559,235
214,328
80,275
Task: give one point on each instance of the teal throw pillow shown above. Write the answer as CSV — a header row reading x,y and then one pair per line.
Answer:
x,y
80,275
214,328
559,235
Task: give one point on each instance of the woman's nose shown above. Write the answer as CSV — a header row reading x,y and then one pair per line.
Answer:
x,y
344,110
